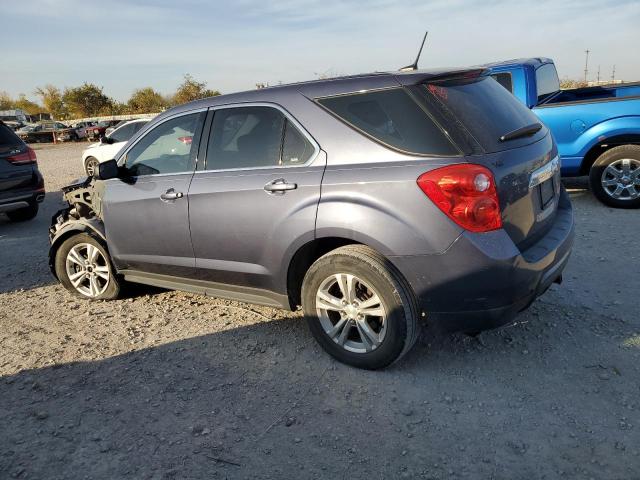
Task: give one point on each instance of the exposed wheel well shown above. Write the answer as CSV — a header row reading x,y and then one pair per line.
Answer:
x,y
304,258
606,144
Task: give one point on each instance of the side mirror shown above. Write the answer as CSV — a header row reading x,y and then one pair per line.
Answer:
x,y
106,140
107,170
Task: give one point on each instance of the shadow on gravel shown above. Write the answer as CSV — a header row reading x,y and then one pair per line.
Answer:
x,y
263,401
24,248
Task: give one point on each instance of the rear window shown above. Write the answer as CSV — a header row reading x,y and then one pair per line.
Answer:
x,y
504,79
7,137
393,118
485,109
547,81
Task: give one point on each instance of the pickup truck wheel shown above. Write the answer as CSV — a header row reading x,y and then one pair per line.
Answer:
x,y
91,166
615,177
359,307
84,267
24,214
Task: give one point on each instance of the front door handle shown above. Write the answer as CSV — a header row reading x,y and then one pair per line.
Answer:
x,y
171,194
280,186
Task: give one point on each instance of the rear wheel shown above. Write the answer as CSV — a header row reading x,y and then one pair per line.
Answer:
x,y
24,214
359,308
91,166
84,267
615,177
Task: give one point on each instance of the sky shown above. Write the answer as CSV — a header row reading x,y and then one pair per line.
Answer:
x,y
123,45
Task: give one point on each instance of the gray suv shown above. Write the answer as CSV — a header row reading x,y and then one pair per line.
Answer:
x,y
370,201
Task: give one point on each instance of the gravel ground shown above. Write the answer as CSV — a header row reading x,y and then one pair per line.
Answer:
x,y
174,385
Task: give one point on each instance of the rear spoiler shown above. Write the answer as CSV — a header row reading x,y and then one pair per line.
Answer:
x,y
467,74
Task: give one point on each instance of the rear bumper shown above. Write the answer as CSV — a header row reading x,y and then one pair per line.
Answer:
x,y
17,198
482,280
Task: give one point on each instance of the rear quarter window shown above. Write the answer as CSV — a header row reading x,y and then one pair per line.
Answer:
x,y
392,118
7,137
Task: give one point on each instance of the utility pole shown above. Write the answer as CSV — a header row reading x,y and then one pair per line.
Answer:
x,y
586,65
613,74
598,74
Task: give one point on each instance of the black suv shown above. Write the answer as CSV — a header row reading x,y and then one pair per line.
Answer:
x,y
21,183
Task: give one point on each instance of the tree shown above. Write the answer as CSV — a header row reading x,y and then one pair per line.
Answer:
x,y
146,100
191,90
23,103
52,100
86,100
6,102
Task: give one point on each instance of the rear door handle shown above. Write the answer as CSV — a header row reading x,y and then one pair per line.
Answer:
x,y
171,194
280,186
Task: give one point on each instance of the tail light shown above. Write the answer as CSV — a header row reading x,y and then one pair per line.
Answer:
x,y
28,156
466,193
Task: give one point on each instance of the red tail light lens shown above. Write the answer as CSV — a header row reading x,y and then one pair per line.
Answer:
x,y
466,193
29,156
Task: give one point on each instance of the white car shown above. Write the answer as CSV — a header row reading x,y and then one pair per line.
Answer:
x,y
110,145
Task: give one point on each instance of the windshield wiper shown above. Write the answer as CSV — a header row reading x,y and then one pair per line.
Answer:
x,y
522,132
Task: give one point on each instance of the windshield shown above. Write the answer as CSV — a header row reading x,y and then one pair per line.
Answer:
x,y
547,81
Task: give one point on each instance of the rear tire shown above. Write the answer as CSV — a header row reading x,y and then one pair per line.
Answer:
x,y
371,326
615,177
24,214
84,267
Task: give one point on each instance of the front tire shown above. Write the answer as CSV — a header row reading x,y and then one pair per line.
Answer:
x,y
84,267
359,307
615,177
91,166
24,214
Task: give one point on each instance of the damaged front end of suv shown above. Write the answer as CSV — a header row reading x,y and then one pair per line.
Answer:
x,y
83,214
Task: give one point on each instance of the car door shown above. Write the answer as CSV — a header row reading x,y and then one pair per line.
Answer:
x,y
256,199
146,210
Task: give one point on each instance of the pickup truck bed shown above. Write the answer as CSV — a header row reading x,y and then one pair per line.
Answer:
x,y
597,128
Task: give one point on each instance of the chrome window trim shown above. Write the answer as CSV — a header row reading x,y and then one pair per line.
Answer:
x,y
288,116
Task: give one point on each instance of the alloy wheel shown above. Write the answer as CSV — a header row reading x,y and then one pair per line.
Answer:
x,y
87,270
351,313
621,179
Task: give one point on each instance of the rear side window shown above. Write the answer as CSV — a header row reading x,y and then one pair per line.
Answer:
x,y
123,133
7,137
547,81
485,109
393,118
252,137
504,79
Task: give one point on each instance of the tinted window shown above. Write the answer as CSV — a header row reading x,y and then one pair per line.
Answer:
x,y
393,118
547,81
7,137
504,79
245,137
124,133
297,149
167,148
485,109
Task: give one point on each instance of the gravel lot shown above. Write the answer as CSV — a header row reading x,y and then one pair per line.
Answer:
x,y
174,385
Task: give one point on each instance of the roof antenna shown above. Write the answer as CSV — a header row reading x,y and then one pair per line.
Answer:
x,y
414,65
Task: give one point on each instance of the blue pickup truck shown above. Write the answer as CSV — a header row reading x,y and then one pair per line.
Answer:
x,y
597,128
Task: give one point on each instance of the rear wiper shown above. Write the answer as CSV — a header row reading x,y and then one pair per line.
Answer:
x,y
522,132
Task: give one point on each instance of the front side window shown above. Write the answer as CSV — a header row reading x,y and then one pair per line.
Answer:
x,y
393,118
167,148
251,137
